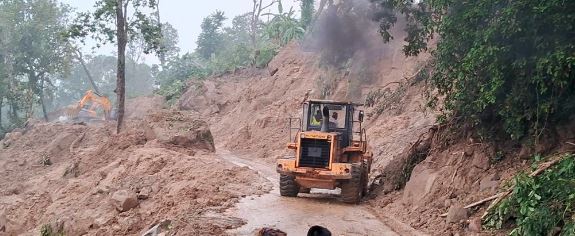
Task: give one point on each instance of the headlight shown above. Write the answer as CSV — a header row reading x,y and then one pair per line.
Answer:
x,y
302,135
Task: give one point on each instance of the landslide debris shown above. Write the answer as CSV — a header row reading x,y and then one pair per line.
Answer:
x,y
162,167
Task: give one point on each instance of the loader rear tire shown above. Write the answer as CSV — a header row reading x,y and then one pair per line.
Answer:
x,y
351,190
288,186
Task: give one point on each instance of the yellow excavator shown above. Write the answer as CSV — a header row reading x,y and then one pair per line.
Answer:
x,y
86,108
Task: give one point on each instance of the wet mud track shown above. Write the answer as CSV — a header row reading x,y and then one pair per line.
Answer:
x,y
295,215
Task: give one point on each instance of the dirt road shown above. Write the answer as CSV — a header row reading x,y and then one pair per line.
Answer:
x,y
296,215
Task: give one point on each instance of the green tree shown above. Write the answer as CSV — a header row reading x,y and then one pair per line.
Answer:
x,y
503,65
211,37
34,47
168,43
130,18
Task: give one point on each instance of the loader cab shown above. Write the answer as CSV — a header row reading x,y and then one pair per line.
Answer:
x,y
338,116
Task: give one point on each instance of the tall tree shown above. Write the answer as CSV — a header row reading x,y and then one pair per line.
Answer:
x,y
211,37
130,17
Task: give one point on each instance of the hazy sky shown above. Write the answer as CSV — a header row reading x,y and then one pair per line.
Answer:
x,y
186,15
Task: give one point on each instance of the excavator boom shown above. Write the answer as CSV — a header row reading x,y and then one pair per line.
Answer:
x,y
97,101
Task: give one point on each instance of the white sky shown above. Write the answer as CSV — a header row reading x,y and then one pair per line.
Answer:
x,y
186,16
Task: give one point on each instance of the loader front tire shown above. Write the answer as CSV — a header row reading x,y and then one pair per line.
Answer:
x,y
288,186
351,190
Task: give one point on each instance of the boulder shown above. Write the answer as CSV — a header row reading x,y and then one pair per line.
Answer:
x,y
419,185
179,128
124,200
456,214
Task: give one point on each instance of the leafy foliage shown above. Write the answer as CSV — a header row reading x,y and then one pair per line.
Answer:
x,y
507,65
283,27
539,204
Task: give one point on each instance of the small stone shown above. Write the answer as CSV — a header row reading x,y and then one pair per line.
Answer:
x,y
456,214
124,200
475,225
144,193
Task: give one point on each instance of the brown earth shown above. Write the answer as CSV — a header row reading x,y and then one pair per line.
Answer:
x,y
80,177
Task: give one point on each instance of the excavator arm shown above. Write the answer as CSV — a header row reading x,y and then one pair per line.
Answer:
x,y
97,101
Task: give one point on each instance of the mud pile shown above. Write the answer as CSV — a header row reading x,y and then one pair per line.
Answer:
x,y
82,179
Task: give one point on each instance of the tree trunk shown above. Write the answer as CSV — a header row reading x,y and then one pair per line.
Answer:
x,y
121,73
41,93
80,58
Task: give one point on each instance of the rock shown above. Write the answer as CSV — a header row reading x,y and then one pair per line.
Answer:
x,y
475,225
481,161
144,193
124,200
419,185
456,214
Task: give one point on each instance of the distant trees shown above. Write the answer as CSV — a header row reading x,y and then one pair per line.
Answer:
x,y
32,51
248,42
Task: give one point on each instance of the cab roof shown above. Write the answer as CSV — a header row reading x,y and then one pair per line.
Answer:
x,y
333,102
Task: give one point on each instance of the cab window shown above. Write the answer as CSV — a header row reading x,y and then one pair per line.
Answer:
x,y
336,118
